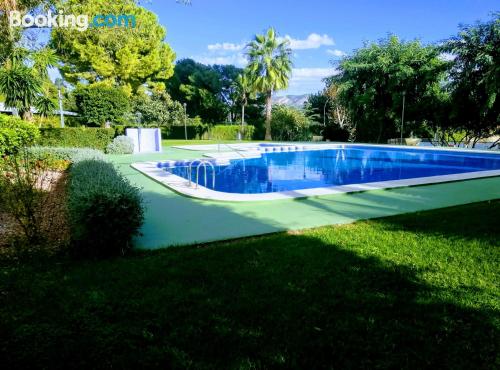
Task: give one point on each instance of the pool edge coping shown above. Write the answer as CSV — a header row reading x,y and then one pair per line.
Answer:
x,y
181,185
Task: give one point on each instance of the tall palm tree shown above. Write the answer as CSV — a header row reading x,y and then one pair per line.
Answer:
x,y
270,67
244,91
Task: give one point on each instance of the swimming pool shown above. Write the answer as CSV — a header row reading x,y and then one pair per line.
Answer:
x,y
317,170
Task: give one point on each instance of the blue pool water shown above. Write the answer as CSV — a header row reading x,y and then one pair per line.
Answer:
x,y
283,171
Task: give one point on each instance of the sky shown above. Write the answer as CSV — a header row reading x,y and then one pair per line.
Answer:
x,y
320,31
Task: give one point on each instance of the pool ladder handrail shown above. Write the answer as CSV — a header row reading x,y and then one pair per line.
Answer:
x,y
203,163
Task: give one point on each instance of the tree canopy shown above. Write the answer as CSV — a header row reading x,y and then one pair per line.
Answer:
x,y
124,56
98,104
207,90
373,80
475,79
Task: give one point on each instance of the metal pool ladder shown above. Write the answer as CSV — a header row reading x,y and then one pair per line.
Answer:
x,y
201,163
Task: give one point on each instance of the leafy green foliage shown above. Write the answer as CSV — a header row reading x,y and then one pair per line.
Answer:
x,y
230,132
98,104
10,36
73,155
290,124
24,80
121,145
157,110
122,56
105,210
20,86
25,185
335,297
195,130
475,80
243,91
205,89
328,115
16,134
80,137
269,68
372,81
45,105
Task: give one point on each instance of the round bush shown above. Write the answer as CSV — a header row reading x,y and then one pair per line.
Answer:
x,y
121,145
104,210
15,134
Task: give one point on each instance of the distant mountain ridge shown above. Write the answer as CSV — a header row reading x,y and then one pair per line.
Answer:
x,y
296,101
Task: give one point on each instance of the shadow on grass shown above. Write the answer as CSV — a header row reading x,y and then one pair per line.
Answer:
x,y
477,221
281,301
470,225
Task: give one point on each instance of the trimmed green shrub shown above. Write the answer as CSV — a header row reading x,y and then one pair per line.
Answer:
x,y
290,124
78,137
230,132
157,110
16,134
121,145
98,104
177,133
50,121
105,210
66,154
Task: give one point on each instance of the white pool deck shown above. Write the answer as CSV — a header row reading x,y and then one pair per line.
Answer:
x,y
223,153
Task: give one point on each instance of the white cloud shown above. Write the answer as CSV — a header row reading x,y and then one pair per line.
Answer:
x,y
313,41
336,52
224,53
238,59
226,46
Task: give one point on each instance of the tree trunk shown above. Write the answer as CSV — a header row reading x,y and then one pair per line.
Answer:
x,y
269,107
242,115
27,115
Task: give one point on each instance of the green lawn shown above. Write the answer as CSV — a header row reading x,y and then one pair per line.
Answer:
x,y
412,291
168,143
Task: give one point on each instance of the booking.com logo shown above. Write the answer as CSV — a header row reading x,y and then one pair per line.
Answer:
x,y
80,22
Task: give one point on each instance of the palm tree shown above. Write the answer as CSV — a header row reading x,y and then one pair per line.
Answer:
x,y
42,60
20,87
24,80
45,105
270,67
244,91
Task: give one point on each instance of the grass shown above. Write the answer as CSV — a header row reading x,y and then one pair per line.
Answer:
x,y
168,143
411,291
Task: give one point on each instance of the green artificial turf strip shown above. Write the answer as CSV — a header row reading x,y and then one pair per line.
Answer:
x,y
170,142
410,291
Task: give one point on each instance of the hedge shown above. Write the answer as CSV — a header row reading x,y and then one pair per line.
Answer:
x,y
72,155
230,132
77,137
16,134
178,133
